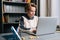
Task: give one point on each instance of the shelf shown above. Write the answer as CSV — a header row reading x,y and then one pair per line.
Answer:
x,y
12,13
19,14
15,3
11,23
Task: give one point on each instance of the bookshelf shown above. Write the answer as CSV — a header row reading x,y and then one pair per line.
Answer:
x,y
11,11
14,3
0,16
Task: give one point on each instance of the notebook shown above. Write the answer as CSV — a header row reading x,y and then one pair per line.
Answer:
x,y
46,25
15,33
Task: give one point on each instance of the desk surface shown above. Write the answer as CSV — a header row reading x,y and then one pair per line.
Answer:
x,y
55,36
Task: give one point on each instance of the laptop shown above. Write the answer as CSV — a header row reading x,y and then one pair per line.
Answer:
x,y
46,25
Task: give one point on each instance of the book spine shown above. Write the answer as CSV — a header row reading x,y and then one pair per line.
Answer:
x,y
28,1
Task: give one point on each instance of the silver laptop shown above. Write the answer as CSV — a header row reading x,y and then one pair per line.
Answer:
x,y
46,25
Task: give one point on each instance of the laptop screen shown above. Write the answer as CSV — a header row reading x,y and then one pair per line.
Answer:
x,y
46,25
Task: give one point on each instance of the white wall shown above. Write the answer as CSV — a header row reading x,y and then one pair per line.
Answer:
x,y
55,9
59,12
43,8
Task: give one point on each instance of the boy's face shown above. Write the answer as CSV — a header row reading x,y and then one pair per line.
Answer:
x,y
31,12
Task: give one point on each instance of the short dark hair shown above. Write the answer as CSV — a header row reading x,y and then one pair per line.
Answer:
x,y
27,7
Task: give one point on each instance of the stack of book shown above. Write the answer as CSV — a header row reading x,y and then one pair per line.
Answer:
x,y
14,9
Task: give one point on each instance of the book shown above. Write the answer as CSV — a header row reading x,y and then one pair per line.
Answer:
x,y
3,20
15,33
27,1
6,18
6,8
14,9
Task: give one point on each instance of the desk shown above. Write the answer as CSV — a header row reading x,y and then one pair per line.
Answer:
x,y
55,36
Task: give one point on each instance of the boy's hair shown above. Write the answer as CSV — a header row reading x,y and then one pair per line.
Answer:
x,y
29,5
